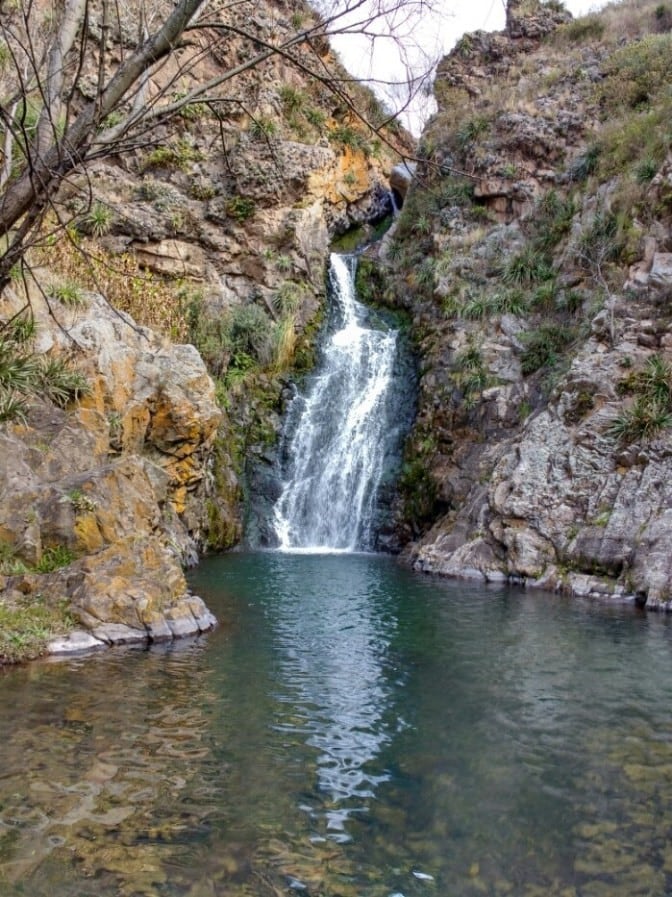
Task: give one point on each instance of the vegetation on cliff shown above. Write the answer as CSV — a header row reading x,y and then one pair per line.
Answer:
x,y
534,254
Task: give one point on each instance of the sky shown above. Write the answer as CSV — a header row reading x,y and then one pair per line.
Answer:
x,y
430,36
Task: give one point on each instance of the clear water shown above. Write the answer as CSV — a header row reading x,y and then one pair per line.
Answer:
x,y
340,433
349,729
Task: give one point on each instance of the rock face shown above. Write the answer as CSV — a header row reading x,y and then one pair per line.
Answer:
x,y
215,235
109,481
538,287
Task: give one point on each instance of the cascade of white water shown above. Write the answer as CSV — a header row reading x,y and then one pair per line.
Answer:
x,y
336,450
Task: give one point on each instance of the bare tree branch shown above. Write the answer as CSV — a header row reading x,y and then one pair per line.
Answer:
x,y
52,125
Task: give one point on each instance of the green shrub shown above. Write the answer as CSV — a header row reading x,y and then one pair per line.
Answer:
x,y
60,383
289,297
641,421
657,380
180,154
315,117
453,191
477,307
10,563
69,293
19,373
424,274
662,18
241,208
469,373
422,211
527,267
202,192
543,346
501,302
263,128
636,74
241,340
601,241
378,115
20,330
80,501
471,130
586,164
419,492
646,170
551,220
636,140
346,136
554,5
370,280
580,31
112,120
158,192
55,558
193,110
292,99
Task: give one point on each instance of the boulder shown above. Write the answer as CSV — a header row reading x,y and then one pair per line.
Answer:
x,y
172,258
661,269
401,178
108,480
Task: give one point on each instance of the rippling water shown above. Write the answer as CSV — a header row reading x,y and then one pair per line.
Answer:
x,y
349,729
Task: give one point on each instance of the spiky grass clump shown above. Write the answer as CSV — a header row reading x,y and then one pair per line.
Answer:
x,y
651,410
24,375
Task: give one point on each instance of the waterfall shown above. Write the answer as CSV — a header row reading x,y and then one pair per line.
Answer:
x,y
337,438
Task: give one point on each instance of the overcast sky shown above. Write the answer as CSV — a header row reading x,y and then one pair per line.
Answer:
x,y
433,35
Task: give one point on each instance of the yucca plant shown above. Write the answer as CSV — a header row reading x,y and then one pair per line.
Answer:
x,y
60,383
641,421
288,298
528,267
657,380
18,370
12,407
652,408
477,307
99,219
24,374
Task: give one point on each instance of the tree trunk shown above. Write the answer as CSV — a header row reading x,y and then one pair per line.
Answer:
x,y
50,167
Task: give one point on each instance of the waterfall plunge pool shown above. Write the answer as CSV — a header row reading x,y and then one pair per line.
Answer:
x,y
350,729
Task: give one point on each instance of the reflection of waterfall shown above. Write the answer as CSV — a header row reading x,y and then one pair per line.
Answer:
x,y
334,656
339,433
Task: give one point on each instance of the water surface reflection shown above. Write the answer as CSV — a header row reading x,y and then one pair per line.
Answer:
x,y
333,650
350,729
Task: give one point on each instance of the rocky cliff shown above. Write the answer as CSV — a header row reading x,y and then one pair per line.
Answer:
x,y
187,285
535,255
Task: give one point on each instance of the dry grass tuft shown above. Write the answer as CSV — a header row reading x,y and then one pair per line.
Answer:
x,y
151,300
